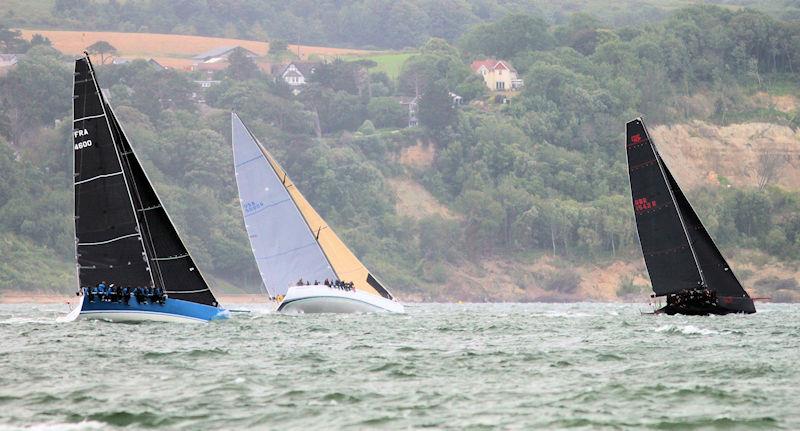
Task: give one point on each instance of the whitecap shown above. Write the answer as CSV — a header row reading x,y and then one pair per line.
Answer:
x,y
27,321
59,426
686,329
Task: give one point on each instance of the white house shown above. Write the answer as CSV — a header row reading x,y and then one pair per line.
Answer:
x,y
295,73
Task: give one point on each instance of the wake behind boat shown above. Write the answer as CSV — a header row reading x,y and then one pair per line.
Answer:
x,y
292,243
683,262
131,262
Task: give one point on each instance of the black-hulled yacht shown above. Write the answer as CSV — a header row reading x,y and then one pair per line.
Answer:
x,y
683,262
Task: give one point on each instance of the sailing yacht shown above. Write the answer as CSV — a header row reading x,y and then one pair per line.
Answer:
x,y
683,262
293,246
123,234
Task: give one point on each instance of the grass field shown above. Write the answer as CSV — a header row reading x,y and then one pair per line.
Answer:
x,y
170,49
391,63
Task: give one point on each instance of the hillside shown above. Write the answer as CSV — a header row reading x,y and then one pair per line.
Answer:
x,y
700,154
485,198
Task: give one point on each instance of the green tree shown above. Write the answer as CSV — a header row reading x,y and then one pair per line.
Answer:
x,y
508,37
11,41
436,111
241,67
105,49
387,112
35,92
278,46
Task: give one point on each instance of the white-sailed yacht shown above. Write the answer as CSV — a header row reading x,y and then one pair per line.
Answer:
x,y
291,242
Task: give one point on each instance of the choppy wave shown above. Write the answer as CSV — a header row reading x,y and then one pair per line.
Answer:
x,y
685,329
444,366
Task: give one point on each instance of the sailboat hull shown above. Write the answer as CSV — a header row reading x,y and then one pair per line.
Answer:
x,y
173,310
323,299
725,305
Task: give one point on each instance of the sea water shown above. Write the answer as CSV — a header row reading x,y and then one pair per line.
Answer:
x,y
487,366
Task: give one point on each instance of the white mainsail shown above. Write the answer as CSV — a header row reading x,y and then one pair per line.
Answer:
x,y
284,246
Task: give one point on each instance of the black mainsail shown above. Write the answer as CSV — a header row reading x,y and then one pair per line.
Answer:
x,y
123,233
678,251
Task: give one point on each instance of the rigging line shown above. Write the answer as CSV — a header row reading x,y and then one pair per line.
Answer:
x,y
88,117
287,251
98,177
108,241
180,292
250,160
119,160
154,207
172,257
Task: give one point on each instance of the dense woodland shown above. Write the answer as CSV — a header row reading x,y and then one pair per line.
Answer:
x,y
542,174
362,23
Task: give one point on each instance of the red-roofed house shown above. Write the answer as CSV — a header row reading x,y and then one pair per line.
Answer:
x,y
498,75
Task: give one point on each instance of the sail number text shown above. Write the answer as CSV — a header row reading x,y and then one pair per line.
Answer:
x,y
78,133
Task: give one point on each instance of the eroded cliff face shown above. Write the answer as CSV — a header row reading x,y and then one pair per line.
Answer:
x,y
744,155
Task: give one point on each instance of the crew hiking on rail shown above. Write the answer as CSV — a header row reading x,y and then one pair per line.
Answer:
x,y
104,292
335,284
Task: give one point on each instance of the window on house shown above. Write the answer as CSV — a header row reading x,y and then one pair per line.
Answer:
x,y
500,85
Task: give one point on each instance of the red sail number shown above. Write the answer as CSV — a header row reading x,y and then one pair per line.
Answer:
x,y
635,139
643,204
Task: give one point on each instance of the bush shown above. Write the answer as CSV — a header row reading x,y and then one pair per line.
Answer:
x,y
628,287
564,281
387,112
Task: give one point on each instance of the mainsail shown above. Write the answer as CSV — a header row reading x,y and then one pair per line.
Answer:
x,y
289,239
678,251
123,234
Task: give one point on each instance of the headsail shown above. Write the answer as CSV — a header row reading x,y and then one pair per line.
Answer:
x,y
717,273
123,234
289,238
678,251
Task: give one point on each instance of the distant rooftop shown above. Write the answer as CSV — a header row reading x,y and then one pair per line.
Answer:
x,y
222,51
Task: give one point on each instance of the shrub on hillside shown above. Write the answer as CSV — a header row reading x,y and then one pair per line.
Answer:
x,y
563,280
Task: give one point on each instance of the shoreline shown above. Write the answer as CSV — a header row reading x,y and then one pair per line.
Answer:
x,y
16,297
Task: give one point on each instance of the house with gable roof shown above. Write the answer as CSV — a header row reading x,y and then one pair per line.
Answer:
x,y
498,75
295,73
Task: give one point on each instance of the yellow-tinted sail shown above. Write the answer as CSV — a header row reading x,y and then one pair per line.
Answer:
x,y
344,263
